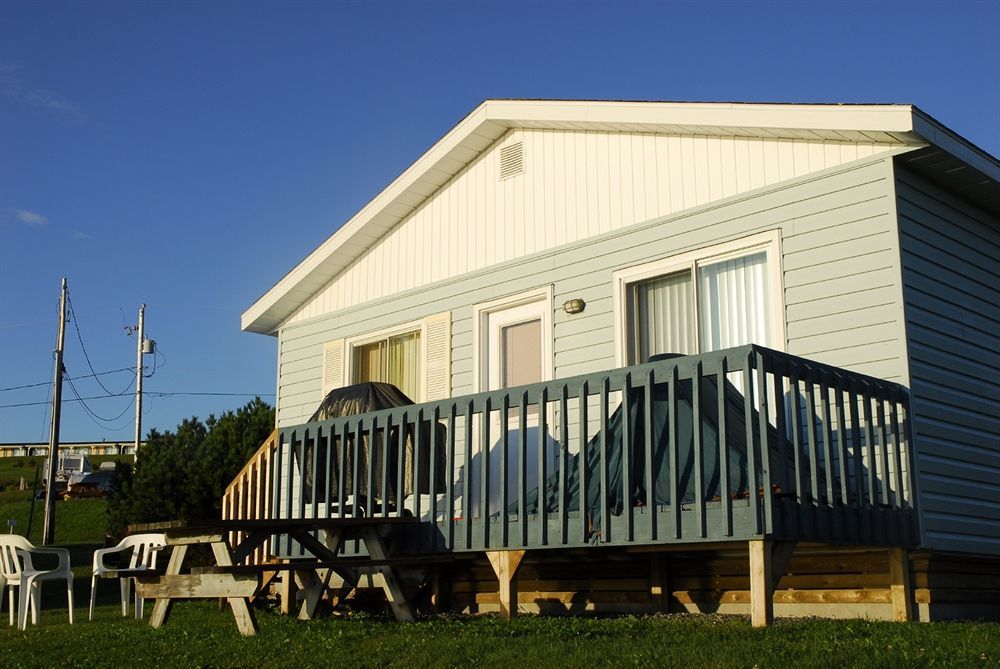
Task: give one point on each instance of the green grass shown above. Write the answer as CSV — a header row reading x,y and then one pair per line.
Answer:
x,y
77,520
199,635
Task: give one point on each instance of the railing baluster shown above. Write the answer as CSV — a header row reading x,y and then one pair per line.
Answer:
x,y
484,461
418,447
563,466
805,515
626,453
827,439
647,442
432,470
896,441
872,461
849,518
765,452
813,450
864,529
356,469
885,476
751,444
605,496
342,468
467,476
725,496
314,483
780,427
675,502
370,458
402,432
699,458
450,477
543,475
386,435
288,490
522,467
301,510
504,470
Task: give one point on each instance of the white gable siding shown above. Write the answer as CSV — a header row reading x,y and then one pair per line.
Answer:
x,y
575,185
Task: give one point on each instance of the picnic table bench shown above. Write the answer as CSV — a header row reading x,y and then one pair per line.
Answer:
x,y
237,582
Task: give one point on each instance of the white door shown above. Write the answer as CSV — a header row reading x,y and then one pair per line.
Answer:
x,y
517,348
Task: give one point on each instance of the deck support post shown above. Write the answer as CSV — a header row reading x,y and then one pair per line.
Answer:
x,y
287,592
900,584
768,560
505,564
659,582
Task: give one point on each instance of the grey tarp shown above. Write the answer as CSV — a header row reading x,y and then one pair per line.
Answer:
x,y
637,495
363,398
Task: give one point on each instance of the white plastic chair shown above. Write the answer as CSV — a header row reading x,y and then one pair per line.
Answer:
x,y
20,572
144,549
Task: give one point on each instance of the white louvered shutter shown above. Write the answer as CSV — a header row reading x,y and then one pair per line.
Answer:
x,y
437,368
333,365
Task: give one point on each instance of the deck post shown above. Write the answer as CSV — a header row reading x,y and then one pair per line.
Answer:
x,y
287,592
761,583
505,564
659,582
900,584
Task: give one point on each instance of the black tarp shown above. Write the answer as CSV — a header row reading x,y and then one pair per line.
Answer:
x,y
363,398
686,488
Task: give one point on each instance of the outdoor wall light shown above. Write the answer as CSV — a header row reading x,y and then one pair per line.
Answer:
x,y
574,306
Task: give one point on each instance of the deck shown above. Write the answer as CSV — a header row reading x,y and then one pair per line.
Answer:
x,y
742,445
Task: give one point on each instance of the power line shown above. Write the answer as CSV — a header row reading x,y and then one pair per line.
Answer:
x,y
76,326
156,394
95,417
74,378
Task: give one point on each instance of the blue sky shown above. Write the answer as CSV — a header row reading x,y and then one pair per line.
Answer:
x,y
188,154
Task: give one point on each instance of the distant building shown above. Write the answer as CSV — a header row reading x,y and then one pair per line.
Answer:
x,y
14,449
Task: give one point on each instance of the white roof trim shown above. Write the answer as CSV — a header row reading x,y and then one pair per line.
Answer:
x,y
490,120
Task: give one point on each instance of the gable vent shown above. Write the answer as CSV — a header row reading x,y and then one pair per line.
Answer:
x,y
511,160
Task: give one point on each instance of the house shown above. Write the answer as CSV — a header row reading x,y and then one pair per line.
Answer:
x,y
830,274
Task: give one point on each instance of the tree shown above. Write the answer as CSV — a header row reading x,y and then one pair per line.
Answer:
x,y
182,475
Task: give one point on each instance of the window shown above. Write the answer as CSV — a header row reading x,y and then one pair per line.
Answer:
x,y
415,357
394,360
711,299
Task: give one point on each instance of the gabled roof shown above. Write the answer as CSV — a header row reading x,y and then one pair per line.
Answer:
x,y
903,124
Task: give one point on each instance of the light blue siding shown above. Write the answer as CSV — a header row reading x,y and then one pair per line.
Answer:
x,y
951,276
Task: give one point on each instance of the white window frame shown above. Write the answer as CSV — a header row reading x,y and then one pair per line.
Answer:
x,y
350,343
481,331
769,242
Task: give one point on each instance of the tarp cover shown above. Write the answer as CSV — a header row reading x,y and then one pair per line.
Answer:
x,y
363,398
359,398
637,495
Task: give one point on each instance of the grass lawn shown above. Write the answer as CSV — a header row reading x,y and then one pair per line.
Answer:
x,y
199,635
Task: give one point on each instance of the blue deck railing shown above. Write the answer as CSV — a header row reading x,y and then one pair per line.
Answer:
x,y
731,445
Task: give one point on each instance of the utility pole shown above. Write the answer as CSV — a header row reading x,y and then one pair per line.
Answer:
x,y
138,383
49,531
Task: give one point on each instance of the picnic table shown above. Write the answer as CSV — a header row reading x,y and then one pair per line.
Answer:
x,y
237,582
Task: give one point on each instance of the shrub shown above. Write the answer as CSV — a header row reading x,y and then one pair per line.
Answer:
x,y
181,475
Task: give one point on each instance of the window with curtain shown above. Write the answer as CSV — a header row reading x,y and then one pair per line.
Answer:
x,y
711,304
394,360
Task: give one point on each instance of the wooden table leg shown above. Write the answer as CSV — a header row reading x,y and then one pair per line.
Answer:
x,y
245,620
161,610
393,588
